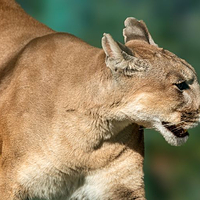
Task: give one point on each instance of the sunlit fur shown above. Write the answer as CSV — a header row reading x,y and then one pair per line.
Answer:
x,y
72,116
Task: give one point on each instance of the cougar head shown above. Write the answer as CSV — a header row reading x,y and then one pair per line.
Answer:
x,y
161,90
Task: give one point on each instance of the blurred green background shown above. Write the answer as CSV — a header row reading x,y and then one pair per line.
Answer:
x,y
171,173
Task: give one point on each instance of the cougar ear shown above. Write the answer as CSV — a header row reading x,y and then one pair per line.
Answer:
x,y
119,58
111,48
136,30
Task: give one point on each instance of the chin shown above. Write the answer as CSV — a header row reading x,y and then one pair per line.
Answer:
x,y
173,134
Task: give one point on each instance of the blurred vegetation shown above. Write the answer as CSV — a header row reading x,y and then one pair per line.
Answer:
x,y
171,173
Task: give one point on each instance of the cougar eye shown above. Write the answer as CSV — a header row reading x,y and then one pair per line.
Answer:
x,y
182,86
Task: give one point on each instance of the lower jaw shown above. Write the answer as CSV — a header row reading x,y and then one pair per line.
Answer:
x,y
174,140
170,137
175,130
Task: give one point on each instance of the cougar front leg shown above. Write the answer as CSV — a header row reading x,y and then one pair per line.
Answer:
x,y
126,193
122,181
6,191
9,189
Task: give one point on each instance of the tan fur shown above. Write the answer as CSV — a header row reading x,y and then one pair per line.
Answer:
x,y
72,115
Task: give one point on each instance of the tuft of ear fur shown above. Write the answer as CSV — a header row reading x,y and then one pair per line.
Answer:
x,y
119,58
136,30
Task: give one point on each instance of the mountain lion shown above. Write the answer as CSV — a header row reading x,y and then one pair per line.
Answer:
x,y
72,115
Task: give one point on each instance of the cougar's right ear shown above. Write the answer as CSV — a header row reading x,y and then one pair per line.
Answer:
x,y
119,58
136,30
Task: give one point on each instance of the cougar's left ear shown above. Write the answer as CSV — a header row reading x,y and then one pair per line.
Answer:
x,y
119,58
136,30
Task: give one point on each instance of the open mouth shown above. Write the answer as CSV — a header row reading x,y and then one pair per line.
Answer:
x,y
176,130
